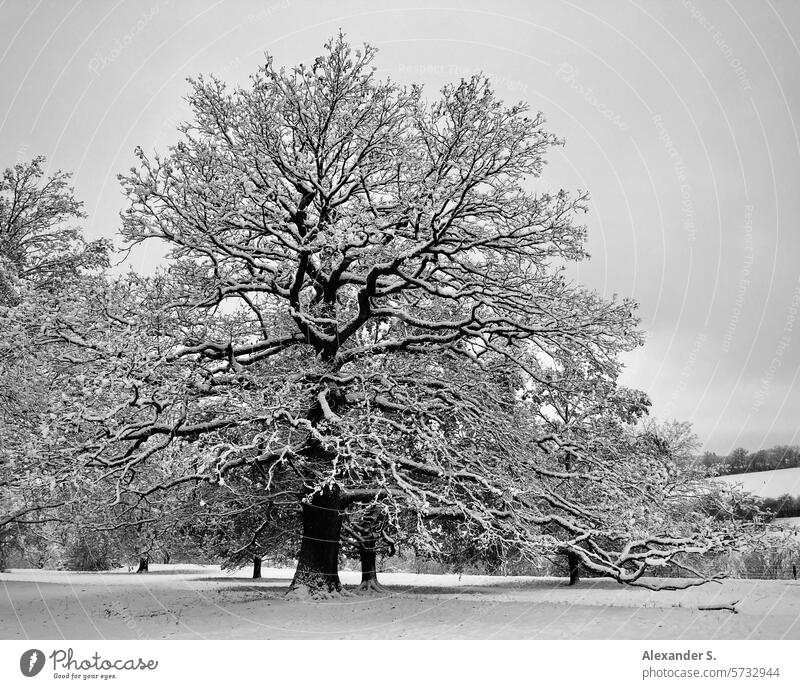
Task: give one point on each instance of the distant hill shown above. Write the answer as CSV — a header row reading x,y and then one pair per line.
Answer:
x,y
768,484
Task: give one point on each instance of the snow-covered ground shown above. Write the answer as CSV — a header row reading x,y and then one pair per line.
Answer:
x,y
191,601
788,522
768,484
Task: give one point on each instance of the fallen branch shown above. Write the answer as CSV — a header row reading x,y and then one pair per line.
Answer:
x,y
721,606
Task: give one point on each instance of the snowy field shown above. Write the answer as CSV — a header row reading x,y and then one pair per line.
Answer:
x,y
788,522
768,484
190,601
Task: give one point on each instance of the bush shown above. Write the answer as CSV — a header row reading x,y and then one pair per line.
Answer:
x,y
8,544
88,553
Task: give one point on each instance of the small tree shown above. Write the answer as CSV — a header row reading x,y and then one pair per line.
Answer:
x,y
738,461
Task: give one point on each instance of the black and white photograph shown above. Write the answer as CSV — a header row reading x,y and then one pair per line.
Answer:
x,y
383,320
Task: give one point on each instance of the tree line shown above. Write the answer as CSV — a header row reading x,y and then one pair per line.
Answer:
x,y
740,461
782,506
772,508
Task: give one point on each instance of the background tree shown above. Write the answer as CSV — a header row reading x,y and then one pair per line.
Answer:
x,y
38,243
42,256
740,461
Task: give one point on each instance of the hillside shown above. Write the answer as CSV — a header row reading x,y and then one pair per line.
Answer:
x,y
767,484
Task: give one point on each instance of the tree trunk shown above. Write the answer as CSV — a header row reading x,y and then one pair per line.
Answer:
x,y
574,565
317,571
256,567
144,562
369,570
167,557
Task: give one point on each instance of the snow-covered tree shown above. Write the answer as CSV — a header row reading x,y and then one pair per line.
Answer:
x,y
38,242
42,256
388,249
364,288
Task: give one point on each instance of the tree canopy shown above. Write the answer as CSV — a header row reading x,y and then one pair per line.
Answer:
x,y
365,316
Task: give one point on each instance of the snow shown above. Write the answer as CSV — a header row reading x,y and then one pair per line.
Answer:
x,y
767,484
787,522
193,601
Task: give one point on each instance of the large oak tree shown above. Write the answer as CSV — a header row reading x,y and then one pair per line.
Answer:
x,y
368,235
364,304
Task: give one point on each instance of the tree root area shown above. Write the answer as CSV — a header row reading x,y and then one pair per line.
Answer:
x,y
371,587
303,592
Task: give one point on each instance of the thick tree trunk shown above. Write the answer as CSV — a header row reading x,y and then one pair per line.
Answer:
x,y
574,565
167,557
144,562
366,551
317,571
256,567
369,570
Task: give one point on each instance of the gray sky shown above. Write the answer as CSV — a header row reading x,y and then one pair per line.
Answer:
x,y
678,119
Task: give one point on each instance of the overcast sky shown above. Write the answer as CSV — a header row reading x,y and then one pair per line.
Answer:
x,y
678,118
